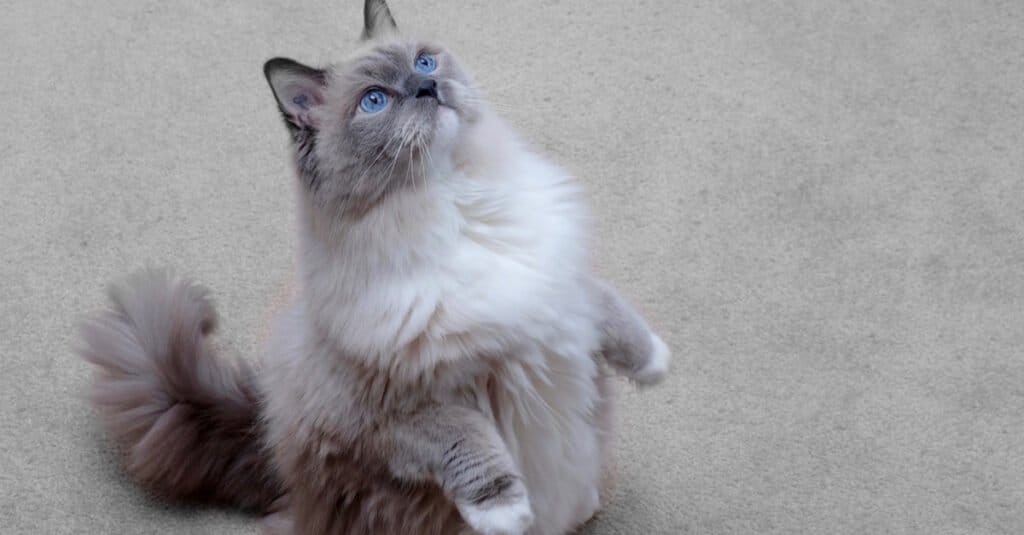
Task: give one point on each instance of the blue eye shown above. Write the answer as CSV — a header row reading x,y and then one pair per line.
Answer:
x,y
373,101
425,63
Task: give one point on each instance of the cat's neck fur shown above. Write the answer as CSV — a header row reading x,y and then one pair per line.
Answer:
x,y
376,274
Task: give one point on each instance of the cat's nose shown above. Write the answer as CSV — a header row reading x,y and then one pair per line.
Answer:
x,y
427,88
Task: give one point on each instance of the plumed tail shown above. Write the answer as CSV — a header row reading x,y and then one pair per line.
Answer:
x,y
187,420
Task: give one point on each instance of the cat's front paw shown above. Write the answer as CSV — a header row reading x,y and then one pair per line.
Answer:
x,y
509,514
504,519
656,367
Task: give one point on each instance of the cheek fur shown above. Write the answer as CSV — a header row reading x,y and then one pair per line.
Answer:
x,y
461,98
446,131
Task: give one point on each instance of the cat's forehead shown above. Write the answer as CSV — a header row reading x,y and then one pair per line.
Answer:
x,y
385,60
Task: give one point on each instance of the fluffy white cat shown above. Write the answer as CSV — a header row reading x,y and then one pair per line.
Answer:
x,y
443,366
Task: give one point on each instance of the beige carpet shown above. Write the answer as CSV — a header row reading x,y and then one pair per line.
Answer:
x,y
819,204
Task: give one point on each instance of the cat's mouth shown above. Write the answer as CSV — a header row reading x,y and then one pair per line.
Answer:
x,y
437,125
432,101
433,110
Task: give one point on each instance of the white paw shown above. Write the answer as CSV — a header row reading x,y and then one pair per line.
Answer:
x,y
503,519
657,366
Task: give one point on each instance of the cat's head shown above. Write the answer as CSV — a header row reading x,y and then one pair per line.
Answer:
x,y
384,119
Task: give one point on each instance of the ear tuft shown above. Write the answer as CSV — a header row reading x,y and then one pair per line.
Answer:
x,y
297,88
377,19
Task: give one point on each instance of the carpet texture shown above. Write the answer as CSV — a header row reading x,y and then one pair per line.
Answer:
x,y
817,203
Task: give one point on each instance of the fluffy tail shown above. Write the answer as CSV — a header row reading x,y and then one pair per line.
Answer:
x,y
187,420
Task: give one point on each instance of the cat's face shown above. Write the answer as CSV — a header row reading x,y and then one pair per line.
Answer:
x,y
384,119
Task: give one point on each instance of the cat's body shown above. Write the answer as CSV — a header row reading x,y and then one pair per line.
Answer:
x,y
484,308
443,364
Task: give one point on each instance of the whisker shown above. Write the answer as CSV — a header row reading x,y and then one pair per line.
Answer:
x,y
423,166
398,152
359,181
430,161
404,139
417,147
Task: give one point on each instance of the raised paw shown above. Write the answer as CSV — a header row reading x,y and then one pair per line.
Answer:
x,y
508,514
656,367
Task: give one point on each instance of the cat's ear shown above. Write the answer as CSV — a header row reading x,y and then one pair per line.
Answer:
x,y
377,19
297,88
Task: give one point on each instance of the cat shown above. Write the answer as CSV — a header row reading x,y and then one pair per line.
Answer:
x,y
445,365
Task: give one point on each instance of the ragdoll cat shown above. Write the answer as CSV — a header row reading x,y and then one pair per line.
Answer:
x,y
443,365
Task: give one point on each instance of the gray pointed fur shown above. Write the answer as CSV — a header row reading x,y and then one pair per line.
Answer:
x,y
185,417
377,19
